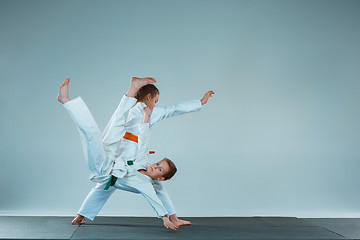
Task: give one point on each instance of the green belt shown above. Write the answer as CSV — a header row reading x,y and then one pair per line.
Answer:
x,y
113,179
111,182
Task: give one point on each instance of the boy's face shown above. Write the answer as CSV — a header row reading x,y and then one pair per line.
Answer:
x,y
157,170
151,101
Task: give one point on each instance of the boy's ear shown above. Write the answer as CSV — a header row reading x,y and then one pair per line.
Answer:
x,y
148,96
161,179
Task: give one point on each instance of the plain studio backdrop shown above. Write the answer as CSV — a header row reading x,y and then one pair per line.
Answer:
x,y
281,136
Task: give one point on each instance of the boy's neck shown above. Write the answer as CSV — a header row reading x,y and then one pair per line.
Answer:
x,y
143,171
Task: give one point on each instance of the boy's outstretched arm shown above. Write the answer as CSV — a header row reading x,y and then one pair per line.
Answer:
x,y
142,154
161,113
165,199
206,97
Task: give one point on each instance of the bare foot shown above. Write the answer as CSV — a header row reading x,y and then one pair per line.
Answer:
x,y
64,92
137,83
180,222
78,220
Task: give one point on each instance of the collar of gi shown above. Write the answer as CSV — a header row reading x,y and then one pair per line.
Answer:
x,y
141,105
144,177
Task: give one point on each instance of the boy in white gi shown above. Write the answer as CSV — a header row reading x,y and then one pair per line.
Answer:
x,y
103,152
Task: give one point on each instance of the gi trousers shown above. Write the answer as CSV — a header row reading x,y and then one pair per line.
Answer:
x,y
100,149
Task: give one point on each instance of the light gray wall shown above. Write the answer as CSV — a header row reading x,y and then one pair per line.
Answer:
x,y
280,137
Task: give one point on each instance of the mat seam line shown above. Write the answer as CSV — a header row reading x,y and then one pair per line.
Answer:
x,y
74,232
336,233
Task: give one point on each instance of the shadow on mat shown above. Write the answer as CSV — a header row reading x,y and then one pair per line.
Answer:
x,y
120,225
150,226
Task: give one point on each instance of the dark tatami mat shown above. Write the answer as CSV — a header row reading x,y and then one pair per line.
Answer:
x,y
204,228
276,228
36,227
348,227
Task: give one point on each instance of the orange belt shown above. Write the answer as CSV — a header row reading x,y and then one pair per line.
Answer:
x,y
131,137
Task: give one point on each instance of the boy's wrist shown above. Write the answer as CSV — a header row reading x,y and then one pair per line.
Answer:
x,y
146,119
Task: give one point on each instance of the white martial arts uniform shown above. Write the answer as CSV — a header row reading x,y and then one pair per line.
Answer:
x,y
119,150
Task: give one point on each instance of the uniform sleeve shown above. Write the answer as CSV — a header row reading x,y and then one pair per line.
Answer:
x,y
164,197
147,190
143,143
160,113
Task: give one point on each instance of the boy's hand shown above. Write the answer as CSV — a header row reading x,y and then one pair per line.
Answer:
x,y
147,113
206,97
169,224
